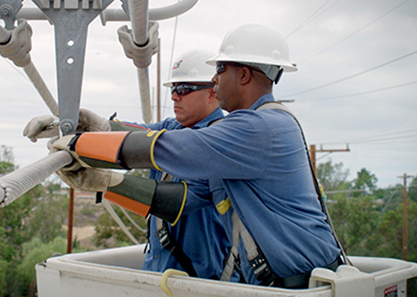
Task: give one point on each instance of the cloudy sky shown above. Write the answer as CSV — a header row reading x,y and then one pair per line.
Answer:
x,y
356,85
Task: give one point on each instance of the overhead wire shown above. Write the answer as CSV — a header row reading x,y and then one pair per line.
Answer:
x,y
355,32
362,93
381,137
312,17
354,75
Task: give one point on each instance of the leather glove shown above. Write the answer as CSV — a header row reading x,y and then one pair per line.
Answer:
x,y
62,144
89,121
91,179
47,126
79,175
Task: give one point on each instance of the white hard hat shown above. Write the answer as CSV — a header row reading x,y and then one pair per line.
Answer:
x,y
256,45
192,67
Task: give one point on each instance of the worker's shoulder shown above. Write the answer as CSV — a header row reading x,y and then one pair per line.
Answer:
x,y
264,117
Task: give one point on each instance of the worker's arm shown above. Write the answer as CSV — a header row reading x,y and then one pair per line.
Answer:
x,y
143,196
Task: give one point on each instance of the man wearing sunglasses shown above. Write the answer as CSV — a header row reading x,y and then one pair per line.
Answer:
x,y
199,232
257,155
197,243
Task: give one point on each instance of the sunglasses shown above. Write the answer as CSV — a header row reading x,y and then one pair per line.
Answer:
x,y
221,67
185,89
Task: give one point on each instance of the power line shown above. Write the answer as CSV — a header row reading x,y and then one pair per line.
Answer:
x,y
362,93
355,32
354,75
313,16
377,138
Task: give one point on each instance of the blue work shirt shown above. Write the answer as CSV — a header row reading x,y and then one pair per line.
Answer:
x,y
261,161
199,230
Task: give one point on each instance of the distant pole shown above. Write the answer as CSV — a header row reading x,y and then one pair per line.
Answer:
x,y
70,220
313,152
313,157
404,177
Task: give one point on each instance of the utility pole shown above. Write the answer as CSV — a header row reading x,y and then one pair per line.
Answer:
x,y
404,177
70,220
313,152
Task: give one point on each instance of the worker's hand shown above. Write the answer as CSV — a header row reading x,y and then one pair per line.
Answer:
x,y
89,121
81,176
46,126
62,144
91,179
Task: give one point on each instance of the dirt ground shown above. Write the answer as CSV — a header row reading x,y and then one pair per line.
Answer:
x,y
83,235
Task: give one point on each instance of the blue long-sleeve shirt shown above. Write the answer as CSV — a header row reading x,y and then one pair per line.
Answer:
x,y
261,162
199,231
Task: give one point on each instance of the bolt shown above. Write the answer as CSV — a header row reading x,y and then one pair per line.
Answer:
x,y
66,127
5,11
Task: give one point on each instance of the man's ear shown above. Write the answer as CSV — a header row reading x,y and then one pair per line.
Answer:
x,y
245,75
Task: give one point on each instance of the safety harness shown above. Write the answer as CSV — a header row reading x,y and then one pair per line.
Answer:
x,y
256,258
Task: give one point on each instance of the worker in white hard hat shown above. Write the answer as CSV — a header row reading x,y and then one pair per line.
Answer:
x,y
196,242
257,155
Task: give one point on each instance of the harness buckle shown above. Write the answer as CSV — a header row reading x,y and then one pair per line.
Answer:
x,y
261,269
165,239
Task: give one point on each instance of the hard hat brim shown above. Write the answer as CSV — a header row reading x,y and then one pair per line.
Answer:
x,y
288,67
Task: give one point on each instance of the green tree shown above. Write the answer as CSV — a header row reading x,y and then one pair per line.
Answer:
x,y
412,190
353,220
365,181
36,251
47,217
332,177
6,160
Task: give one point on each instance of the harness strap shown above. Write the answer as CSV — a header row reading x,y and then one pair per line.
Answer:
x,y
169,243
279,106
233,255
256,258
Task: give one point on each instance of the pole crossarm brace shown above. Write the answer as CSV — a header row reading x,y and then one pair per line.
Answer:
x,y
321,150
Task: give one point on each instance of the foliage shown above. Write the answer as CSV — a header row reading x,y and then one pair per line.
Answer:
x,y
6,160
332,177
36,251
353,220
365,181
48,217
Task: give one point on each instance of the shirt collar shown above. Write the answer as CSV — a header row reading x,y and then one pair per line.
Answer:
x,y
215,115
262,100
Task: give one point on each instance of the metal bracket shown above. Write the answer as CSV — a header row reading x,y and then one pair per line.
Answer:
x,y
71,19
8,12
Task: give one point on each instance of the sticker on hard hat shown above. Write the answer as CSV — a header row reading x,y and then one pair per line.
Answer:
x,y
177,64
